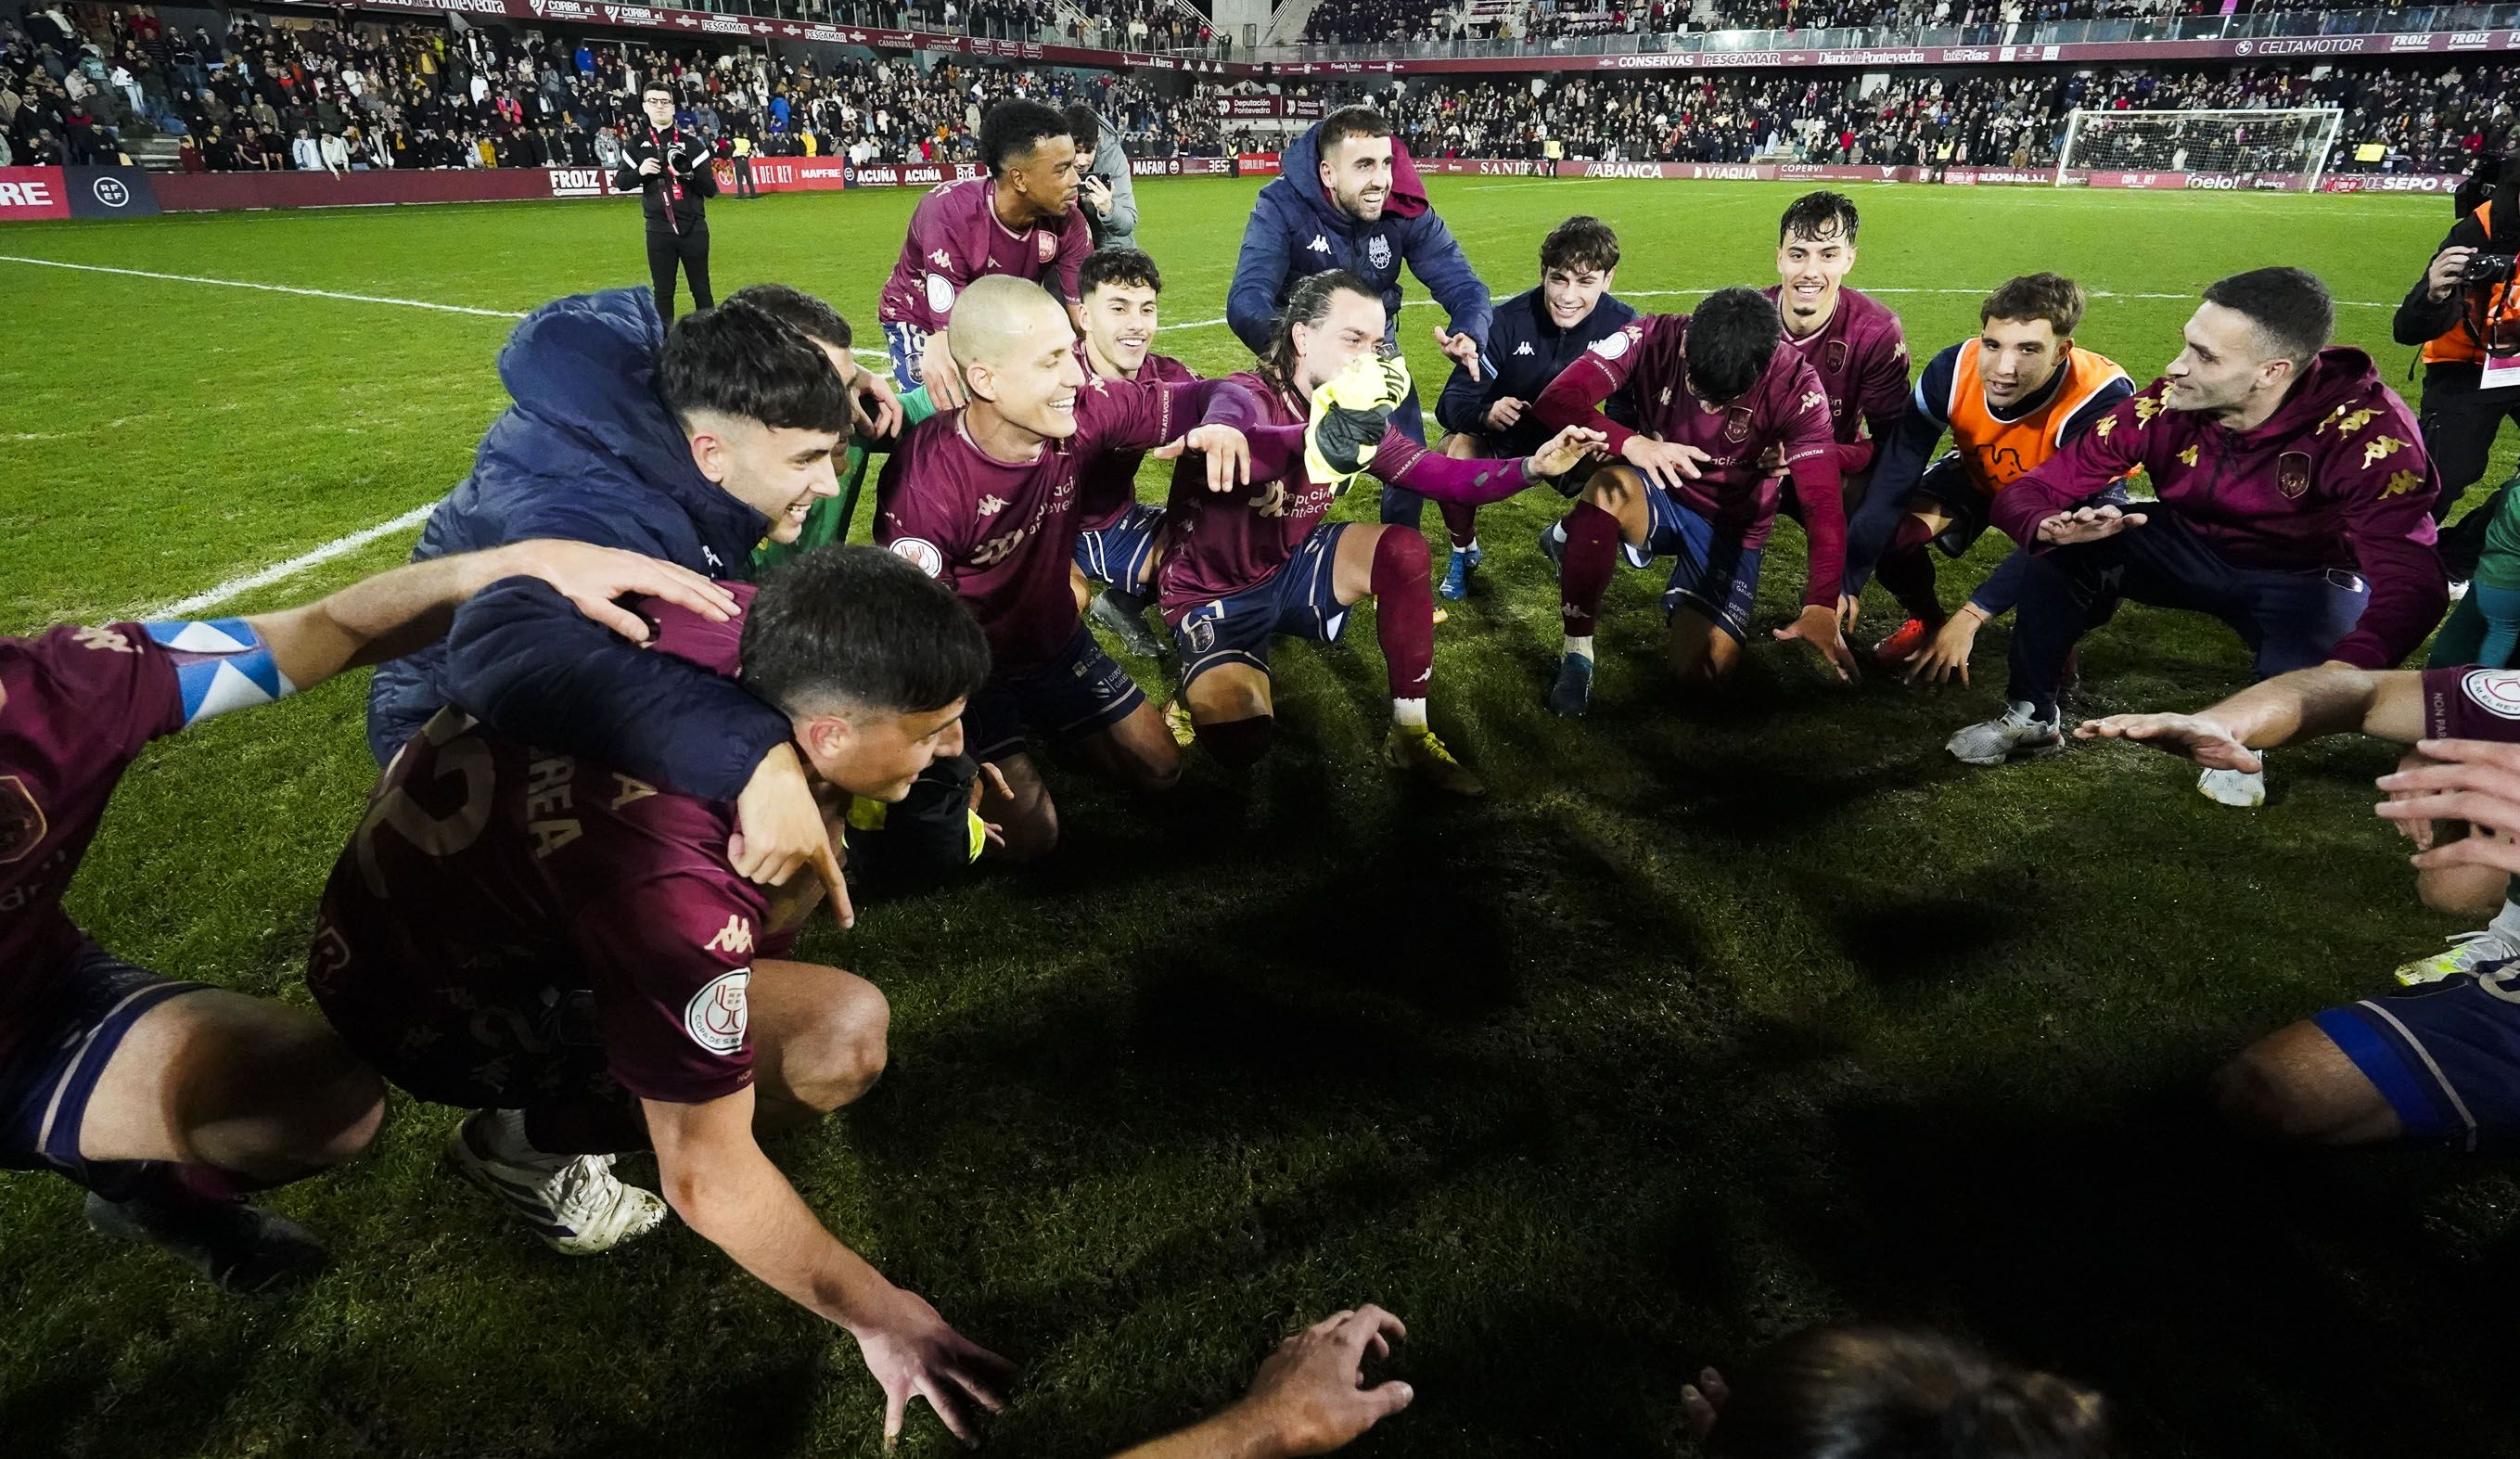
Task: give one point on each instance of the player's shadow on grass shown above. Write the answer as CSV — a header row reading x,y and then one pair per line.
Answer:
x,y
2230,1299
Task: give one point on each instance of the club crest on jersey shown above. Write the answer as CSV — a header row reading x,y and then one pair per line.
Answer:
x,y
1046,245
1736,423
2494,690
921,551
21,821
719,1014
1377,250
1834,356
2292,473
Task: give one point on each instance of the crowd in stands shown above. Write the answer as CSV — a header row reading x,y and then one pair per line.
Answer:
x,y
321,95
1549,22
2396,118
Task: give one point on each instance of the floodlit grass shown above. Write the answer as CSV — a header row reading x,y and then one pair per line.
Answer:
x,y
1710,1021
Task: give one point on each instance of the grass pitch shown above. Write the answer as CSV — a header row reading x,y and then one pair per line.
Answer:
x,y
1710,1021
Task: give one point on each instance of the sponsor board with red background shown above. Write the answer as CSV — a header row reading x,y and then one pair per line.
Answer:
x,y
1256,165
1246,108
2273,47
1181,166
33,193
218,192
2220,182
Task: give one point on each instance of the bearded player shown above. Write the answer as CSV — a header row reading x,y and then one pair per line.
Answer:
x,y
986,497
1256,561
2011,398
2295,506
170,1101
1852,342
1720,401
613,984
1120,538
1535,334
1022,220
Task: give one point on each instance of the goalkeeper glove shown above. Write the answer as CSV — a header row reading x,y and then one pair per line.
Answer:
x,y
1351,414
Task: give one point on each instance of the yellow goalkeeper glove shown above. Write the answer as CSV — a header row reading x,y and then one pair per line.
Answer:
x,y
1351,412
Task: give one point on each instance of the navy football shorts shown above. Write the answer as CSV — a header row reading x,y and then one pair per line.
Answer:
x,y
2447,1056
905,343
55,1060
1717,576
1080,692
1300,599
1119,553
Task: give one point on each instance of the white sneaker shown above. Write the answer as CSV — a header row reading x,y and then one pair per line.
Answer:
x,y
2457,588
2468,952
1996,741
576,1203
2245,789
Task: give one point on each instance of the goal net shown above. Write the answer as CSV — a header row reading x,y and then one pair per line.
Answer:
x,y
2285,149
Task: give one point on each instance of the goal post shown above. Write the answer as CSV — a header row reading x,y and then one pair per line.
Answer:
x,y
2262,142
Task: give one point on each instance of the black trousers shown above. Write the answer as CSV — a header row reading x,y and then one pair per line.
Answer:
x,y
2460,424
688,249
743,186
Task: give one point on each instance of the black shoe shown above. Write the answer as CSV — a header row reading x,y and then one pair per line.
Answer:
x,y
233,1245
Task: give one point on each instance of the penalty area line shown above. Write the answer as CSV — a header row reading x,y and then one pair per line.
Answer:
x,y
359,299
265,577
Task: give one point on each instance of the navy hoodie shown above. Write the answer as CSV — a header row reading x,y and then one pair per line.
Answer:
x,y
587,452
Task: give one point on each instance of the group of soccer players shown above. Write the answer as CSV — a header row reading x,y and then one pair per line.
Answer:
x,y
637,770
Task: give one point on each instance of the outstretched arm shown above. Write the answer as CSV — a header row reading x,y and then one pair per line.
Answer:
x,y
1310,1396
2329,699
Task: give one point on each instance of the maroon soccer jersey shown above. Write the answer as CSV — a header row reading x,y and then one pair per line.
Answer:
x,y
956,237
2338,478
1108,486
1001,533
1861,356
1222,543
1786,409
2472,704
76,706
486,870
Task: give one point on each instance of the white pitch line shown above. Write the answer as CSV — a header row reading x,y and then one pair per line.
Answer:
x,y
265,577
360,298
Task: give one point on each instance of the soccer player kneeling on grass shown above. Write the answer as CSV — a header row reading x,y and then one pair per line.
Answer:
x,y
1535,334
1120,538
1254,561
1723,404
613,985
2011,398
169,1101
2294,506
2438,1060
986,497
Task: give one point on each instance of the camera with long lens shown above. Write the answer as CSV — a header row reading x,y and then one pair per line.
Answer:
x,y
2485,300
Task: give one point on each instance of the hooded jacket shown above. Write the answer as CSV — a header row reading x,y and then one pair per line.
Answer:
x,y
590,453
2336,477
1296,231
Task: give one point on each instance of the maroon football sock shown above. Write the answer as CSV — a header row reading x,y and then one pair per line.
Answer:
x,y
1907,570
1584,574
1404,612
1461,521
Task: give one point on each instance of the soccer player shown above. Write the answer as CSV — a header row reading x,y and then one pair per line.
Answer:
x,y
1247,565
564,949
1852,342
1020,221
672,174
1536,334
689,447
1122,537
1349,198
2294,506
2011,398
1723,405
2441,1061
986,497
169,1101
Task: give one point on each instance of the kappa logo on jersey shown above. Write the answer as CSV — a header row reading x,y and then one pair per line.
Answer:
x,y
1812,398
941,258
1523,348
991,506
940,293
719,1014
1377,250
923,551
1319,244
103,639
734,938
1614,347
2496,690
21,821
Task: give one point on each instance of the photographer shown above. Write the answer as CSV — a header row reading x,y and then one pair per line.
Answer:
x,y
672,172
2463,303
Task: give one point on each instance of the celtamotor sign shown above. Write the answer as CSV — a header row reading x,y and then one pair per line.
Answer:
x,y
32,192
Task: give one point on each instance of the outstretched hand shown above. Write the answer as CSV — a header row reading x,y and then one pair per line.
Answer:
x,y
1227,452
1565,451
2208,742
1818,626
2086,524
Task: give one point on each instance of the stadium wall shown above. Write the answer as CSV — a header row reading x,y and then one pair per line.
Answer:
x,y
29,194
